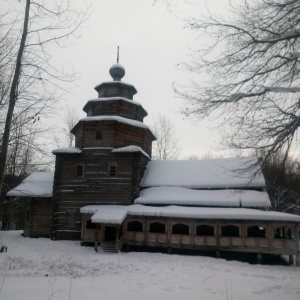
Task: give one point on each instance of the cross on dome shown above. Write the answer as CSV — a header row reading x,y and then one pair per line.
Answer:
x,y
117,71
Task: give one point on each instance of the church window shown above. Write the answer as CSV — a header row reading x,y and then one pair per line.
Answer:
x,y
282,233
205,230
157,227
230,230
112,169
98,135
256,231
180,229
135,226
80,170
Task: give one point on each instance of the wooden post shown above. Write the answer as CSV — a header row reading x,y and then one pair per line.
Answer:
x,y
298,246
218,254
193,229
291,259
117,239
96,237
243,233
259,258
298,259
169,230
146,232
217,234
269,235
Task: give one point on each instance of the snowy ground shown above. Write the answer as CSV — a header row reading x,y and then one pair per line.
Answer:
x,y
37,269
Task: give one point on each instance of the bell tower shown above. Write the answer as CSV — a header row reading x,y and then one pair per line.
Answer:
x,y
112,149
114,119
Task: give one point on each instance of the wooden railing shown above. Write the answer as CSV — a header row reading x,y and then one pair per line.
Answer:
x,y
264,245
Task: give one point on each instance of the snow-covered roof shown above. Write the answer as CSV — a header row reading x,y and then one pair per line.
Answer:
x,y
114,83
67,150
214,173
115,214
102,99
114,118
108,214
131,148
38,184
106,99
184,196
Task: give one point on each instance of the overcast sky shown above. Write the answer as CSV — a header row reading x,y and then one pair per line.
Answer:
x,y
152,43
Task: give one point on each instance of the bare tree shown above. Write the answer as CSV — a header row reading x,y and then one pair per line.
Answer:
x,y
192,157
70,120
64,137
35,79
252,69
282,182
167,144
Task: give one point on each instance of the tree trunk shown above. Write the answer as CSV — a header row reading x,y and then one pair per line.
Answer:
x,y
13,97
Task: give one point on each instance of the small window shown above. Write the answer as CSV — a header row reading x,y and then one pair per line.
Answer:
x,y
98,135
282,233
79,170
256,231
180,229
157,227
206,230
112,169
135,226
230,230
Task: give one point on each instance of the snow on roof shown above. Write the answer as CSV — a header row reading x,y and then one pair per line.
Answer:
x,y
213,173
184,196
108,214
115,214
98,148
114,99
131,148
67,150
114,118
115,82
38,184
212,213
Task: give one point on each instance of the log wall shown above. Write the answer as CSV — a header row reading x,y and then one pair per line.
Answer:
x,y
114,134
38,217
95,187
115,89
117,108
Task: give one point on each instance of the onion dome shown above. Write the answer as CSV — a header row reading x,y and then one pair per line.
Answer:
x,y
117,72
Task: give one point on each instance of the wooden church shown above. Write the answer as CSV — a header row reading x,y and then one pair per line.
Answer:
x,y
107,191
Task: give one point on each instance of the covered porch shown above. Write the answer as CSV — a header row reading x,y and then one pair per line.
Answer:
x,y
194,228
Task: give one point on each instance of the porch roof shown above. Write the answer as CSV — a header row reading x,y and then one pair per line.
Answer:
x,y
107,214
115,214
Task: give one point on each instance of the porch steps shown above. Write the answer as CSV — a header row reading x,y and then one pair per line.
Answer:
x,y
109,247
